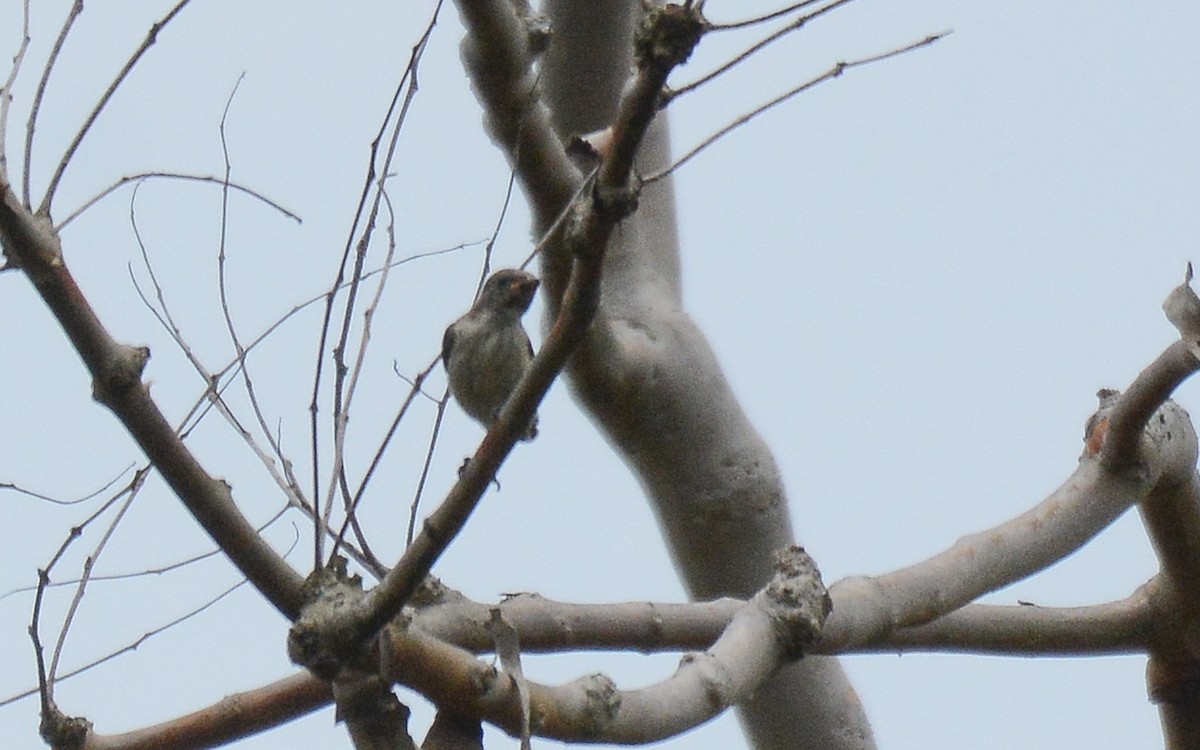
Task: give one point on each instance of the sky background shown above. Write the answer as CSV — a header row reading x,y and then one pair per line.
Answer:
x,y
916,277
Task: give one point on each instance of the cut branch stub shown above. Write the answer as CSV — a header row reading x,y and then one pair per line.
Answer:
x,y
797,599
64,732
667,35
326,636
1182,308
122,372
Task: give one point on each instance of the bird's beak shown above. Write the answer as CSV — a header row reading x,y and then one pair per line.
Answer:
x,y
528,288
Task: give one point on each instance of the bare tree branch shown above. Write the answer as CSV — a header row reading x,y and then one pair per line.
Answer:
x,y
753,49
147,43
143,176
376,174
39,95
650,379
786,10
6,89
497,54
867,610
834,72
236,716
1121,627
33,246
669,43
749,650
279,471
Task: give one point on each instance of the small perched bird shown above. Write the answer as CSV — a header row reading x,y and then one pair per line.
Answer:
x,y
487,351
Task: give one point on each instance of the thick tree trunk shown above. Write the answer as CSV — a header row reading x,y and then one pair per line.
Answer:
x,y
649,378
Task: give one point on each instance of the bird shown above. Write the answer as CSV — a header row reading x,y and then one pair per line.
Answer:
x,y
486,351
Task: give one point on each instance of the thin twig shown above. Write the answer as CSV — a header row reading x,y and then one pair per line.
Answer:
x,y
131,493
339,440
729,26
147,43
46,677
212,394
132,646
830,74
746,54
146,636
6,90
410,71
77,530
490,247
58,501
340,408
213,397
552,231
45,689
433,437
143,176
288,482
40,93
413,383
110,577
508,191
381,451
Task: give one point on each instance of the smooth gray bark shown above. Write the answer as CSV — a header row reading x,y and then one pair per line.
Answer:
x,y
648,377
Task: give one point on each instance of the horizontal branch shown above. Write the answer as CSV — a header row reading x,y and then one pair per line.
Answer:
x,y
1113,474
1120,627
764,633
456,629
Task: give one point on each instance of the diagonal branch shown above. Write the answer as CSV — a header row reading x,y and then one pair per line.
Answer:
x,y
147,43
833,72
31,244
499,60
39,95
236,716
341,635
867,610
6,88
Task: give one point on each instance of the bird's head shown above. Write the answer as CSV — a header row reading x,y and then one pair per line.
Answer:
x,y
510,290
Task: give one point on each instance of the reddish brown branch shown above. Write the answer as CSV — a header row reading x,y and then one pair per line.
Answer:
x,y
234,717
585,241
31,244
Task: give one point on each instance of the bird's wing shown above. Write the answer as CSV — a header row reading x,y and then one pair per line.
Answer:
x,y
447,344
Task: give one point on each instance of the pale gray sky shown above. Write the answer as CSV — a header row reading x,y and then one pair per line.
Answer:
x,y
916,277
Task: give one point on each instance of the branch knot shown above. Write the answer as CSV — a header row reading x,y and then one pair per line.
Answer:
x,y
667,35
326,635
797,599
123,372
614,203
